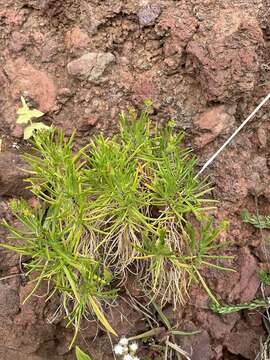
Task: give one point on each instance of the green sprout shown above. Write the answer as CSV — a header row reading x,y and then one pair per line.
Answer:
x,y
259,222
80,355
264,277
25,117
229,309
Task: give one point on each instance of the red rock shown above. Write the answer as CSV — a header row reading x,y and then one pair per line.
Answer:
x,y
181,26
262,252
91,121
9,301
25,78
197,345
218,327
86,122
245,282
76,39
213,122
198,297
245,341
11,175
231,173
38,37
144,87
225,54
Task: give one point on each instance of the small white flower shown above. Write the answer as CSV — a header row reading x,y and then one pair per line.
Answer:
x,y
123,341
118,349
128,357
136,358
133,347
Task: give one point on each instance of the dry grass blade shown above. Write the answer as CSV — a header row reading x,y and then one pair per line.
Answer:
x,y
179,350
264,353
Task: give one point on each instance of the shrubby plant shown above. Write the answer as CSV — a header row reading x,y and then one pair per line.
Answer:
x,y
129,203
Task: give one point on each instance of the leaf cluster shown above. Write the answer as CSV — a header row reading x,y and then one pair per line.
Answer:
x,y
259,222
25,117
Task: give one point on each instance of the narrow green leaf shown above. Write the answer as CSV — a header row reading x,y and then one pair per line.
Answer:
x,y
147,334
99,314
80,355
72,283
162,316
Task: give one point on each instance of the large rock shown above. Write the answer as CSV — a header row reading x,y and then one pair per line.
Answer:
x,y
240,286
181,25
25,78
9,301
245,341
217,326
90,66
12,176
198,346
217,120
224,54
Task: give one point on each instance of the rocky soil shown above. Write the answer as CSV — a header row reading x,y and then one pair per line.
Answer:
x,y
204,63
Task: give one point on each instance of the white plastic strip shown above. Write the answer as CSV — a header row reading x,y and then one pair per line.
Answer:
x,y
208,162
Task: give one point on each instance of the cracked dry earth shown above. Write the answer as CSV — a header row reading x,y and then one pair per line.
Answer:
x,y
204,63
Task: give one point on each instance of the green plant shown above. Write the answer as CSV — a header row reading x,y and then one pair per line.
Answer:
x,y
228,309
264,277
25,117
260,222
168,265
144,189
80,355
130,203
55,234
